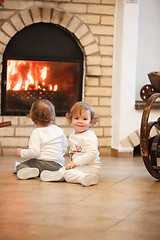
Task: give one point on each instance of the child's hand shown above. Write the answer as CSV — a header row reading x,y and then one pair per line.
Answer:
x,y
18,152
70,165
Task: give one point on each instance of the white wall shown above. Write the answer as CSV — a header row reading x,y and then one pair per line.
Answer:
x,y
125,118
148,54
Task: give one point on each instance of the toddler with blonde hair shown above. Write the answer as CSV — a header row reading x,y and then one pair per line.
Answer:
x,y
84,166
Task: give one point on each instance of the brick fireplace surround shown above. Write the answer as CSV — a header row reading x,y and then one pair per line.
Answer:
x,y
92,23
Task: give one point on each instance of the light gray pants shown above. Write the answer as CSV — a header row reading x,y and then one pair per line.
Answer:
x,y
40,164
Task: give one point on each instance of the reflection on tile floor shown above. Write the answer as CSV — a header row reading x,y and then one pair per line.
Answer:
x,y
124,205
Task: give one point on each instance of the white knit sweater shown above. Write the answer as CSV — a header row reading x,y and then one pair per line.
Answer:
x,y
46,143
84,148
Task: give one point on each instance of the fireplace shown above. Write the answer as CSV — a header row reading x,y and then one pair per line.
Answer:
x,y
63,32
42,61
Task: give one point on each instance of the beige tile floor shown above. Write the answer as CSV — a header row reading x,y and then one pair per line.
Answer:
x,y
125,205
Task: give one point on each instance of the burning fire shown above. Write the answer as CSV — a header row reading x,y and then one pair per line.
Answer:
x,y
28,75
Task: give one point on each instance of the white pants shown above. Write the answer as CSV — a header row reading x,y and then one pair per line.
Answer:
x,y
75,175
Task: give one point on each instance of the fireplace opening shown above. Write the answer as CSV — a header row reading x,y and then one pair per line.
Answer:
x,y
42,61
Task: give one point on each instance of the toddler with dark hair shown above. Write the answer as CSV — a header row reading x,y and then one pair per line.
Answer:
x,y
47,143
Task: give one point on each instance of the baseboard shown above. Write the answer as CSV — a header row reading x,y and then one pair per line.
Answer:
x,y
121,154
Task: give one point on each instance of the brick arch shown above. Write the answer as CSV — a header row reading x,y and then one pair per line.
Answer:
x,y
59,17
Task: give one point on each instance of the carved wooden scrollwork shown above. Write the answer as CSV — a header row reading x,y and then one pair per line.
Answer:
x,y
150,154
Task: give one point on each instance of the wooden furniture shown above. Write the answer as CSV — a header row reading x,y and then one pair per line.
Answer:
x,y
154,87
5,124
150,152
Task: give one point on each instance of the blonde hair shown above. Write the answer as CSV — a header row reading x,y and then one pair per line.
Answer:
x,y
77,108
42,112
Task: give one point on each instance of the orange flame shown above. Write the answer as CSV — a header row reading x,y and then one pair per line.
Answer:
x,y
27,75
18,86
43,72
55,88
30,78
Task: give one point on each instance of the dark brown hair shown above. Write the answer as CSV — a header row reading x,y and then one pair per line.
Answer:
x,y
42,112
77,108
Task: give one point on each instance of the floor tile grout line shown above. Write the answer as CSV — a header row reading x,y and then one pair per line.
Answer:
x,y
118,182
119,221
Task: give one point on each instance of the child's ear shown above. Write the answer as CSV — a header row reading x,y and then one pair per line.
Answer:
x,y
90,123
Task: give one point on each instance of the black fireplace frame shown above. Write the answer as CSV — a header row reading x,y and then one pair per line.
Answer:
x,y
42,42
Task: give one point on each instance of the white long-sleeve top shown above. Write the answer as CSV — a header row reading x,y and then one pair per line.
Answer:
x,y
84,148
46,143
